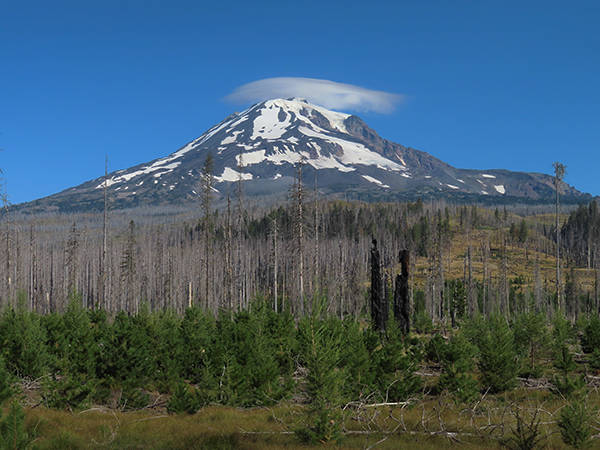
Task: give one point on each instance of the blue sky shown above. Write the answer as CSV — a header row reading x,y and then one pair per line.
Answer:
x,y
483,84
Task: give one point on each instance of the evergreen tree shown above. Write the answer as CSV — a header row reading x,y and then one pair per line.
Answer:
x,y
319,341
523,232
165,332
457,360
198,334
23,343
357,360
590,340
530,339
398,361
257,376
14,434
498,361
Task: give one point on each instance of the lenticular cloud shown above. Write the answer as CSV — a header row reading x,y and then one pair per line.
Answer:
x,y
328,94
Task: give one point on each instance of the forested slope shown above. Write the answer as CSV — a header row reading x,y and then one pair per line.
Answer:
x,y
264,307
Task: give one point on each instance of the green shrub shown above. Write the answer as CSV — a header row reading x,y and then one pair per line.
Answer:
x,y
132,397
435,348
66,390
14,435
563,359
574,424
423,323
526,435
595,359
184,399
569,386
591,335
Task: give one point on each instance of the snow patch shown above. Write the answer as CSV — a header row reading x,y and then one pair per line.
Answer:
x,y
232,175
452,186
157,165
231,139
485,175
374,180
355,153
329,162
500,188
268,125
253,157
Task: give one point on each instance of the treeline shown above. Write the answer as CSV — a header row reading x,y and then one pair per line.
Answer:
x,y
289,254
217,263
581,235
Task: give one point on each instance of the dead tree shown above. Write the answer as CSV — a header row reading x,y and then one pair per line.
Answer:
x,y
401,294
559,170
379,304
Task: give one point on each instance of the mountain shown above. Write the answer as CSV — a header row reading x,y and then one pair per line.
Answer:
x,y
263,146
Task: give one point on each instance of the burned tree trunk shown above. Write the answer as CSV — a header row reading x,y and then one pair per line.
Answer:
x,y
401,294
379,305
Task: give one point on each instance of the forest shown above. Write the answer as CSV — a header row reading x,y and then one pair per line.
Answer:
x,y
288,317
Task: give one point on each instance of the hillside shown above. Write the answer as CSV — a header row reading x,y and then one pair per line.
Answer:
x,y
263,147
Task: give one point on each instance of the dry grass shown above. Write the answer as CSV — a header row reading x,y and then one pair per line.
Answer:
x,y
427,423
521,258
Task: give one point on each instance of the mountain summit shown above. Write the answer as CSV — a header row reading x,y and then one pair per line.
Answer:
x,y
263,146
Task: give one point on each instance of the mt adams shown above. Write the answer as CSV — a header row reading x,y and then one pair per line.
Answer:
x,y
264,145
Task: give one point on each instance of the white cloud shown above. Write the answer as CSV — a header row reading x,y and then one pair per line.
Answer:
x,y
328,94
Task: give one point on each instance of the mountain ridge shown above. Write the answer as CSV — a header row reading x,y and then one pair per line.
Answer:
x,y
262,146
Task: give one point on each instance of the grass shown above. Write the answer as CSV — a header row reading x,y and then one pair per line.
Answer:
x,y
521,257
428,423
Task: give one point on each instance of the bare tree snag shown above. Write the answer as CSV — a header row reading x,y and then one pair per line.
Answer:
x,y
401,294
560,171
378,302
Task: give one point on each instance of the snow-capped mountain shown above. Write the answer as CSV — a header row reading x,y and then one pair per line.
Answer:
x,y
263,146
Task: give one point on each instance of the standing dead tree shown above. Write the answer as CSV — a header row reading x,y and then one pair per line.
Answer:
x,y
379,304
6,206
102,281
560,171
207,182
297,200
401,294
